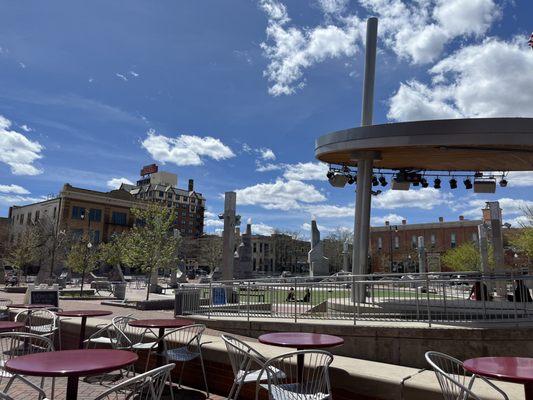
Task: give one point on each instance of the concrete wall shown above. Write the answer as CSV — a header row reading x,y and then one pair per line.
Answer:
x,y
401,345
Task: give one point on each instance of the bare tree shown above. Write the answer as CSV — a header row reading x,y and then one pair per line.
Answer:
x,y
211,251
333,247
52,244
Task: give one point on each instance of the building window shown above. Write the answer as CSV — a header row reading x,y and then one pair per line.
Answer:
x,y
77,234
380,243
54,215
414,244
118,218
453,241
21,219
95,237
95,215
161,194
77,212
255,248
474,237
28,221
396,242
433,240
37,215
260,247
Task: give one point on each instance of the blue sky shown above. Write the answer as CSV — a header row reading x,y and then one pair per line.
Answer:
x,y
234,93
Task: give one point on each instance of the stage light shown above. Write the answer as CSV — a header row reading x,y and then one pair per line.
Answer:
x,y
330,174
436,183
453,183
503,183
468,183
424,182
478,175
374,181
485,186
351,180
338,180
382,180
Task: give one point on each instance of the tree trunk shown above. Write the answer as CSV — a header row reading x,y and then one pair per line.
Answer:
x,y
148,284
82,282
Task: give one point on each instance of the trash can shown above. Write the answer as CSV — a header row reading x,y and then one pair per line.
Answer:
x,y
187,301
119,290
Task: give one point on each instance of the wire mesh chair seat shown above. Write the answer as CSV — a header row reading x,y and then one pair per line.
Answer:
x,y
41,322
246,363
4,311
103,336
307,381
146,386
182,345
455,381
15,344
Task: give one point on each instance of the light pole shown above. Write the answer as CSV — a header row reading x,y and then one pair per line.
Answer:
x,y
390,243
89,246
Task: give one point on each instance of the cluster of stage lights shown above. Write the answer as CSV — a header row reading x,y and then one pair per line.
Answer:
x,y
403,179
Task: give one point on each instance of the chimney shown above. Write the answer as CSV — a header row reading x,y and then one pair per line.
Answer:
x,y
461,218
386,223
191,185
441,219
404,222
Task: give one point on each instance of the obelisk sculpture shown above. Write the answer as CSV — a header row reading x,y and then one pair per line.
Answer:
x,y
346,256
228,235
243,263
318,264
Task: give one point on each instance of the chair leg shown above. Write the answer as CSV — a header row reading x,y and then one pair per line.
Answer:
x,y
238,390
230,395
181,374
205,377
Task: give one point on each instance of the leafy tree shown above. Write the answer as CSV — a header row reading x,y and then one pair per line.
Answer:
x,y
523,239
82,258
465,258
152,243
112,253
211,251
53,245
24,251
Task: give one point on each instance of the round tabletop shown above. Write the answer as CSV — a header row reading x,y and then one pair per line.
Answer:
x,y
10,325
301,340
511,369
71,362
30,306
161,323
84,313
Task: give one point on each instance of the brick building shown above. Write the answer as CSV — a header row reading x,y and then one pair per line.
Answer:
x,y
393,248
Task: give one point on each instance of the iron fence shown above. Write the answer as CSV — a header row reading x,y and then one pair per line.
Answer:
x,y
429,298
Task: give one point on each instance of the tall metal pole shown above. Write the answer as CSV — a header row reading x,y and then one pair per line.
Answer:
x,y
364,164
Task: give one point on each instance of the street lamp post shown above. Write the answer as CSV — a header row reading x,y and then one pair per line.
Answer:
x,y
395,227
89,246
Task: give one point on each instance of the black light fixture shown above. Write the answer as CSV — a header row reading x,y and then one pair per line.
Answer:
x,y
374,180
351,180
436,183
503,182
382,180
453,183
478,175
468,183
330,174
424,182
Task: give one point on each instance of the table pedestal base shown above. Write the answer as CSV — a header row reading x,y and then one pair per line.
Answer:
x,y
528,390
72,388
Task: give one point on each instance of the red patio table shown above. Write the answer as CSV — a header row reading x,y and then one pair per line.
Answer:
x,y
161,324
301,341
71,364
510,369
83,314
6,326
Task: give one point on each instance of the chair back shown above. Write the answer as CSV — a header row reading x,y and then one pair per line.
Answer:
x,y
4,303
147,386
286,381
187,337
243,358
43,322
15,344
127,335
455,382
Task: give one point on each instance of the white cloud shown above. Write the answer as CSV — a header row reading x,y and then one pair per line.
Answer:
x,y
26,128
499,71
246,148
510,207
425,199
123,77
267,154
290,50
308,171
16,189
134,74
19,200
262,229
267,167
333,6
331,211
185,149
18,151
216,223
520,178
209,214
114,183
519,222
280,195
393,219
419,30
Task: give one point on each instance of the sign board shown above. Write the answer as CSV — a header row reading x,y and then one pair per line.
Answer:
x,y
149,169
219,295
43,295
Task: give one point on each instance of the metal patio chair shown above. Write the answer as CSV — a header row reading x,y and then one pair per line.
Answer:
x,y
16,344
4,310
455,382
182,345
308,382
246,362
105,335
41,322
146,386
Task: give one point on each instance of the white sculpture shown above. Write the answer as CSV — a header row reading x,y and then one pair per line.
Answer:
x,y
318,264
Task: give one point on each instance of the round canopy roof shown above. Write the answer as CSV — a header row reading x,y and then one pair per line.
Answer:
x,y
484,144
